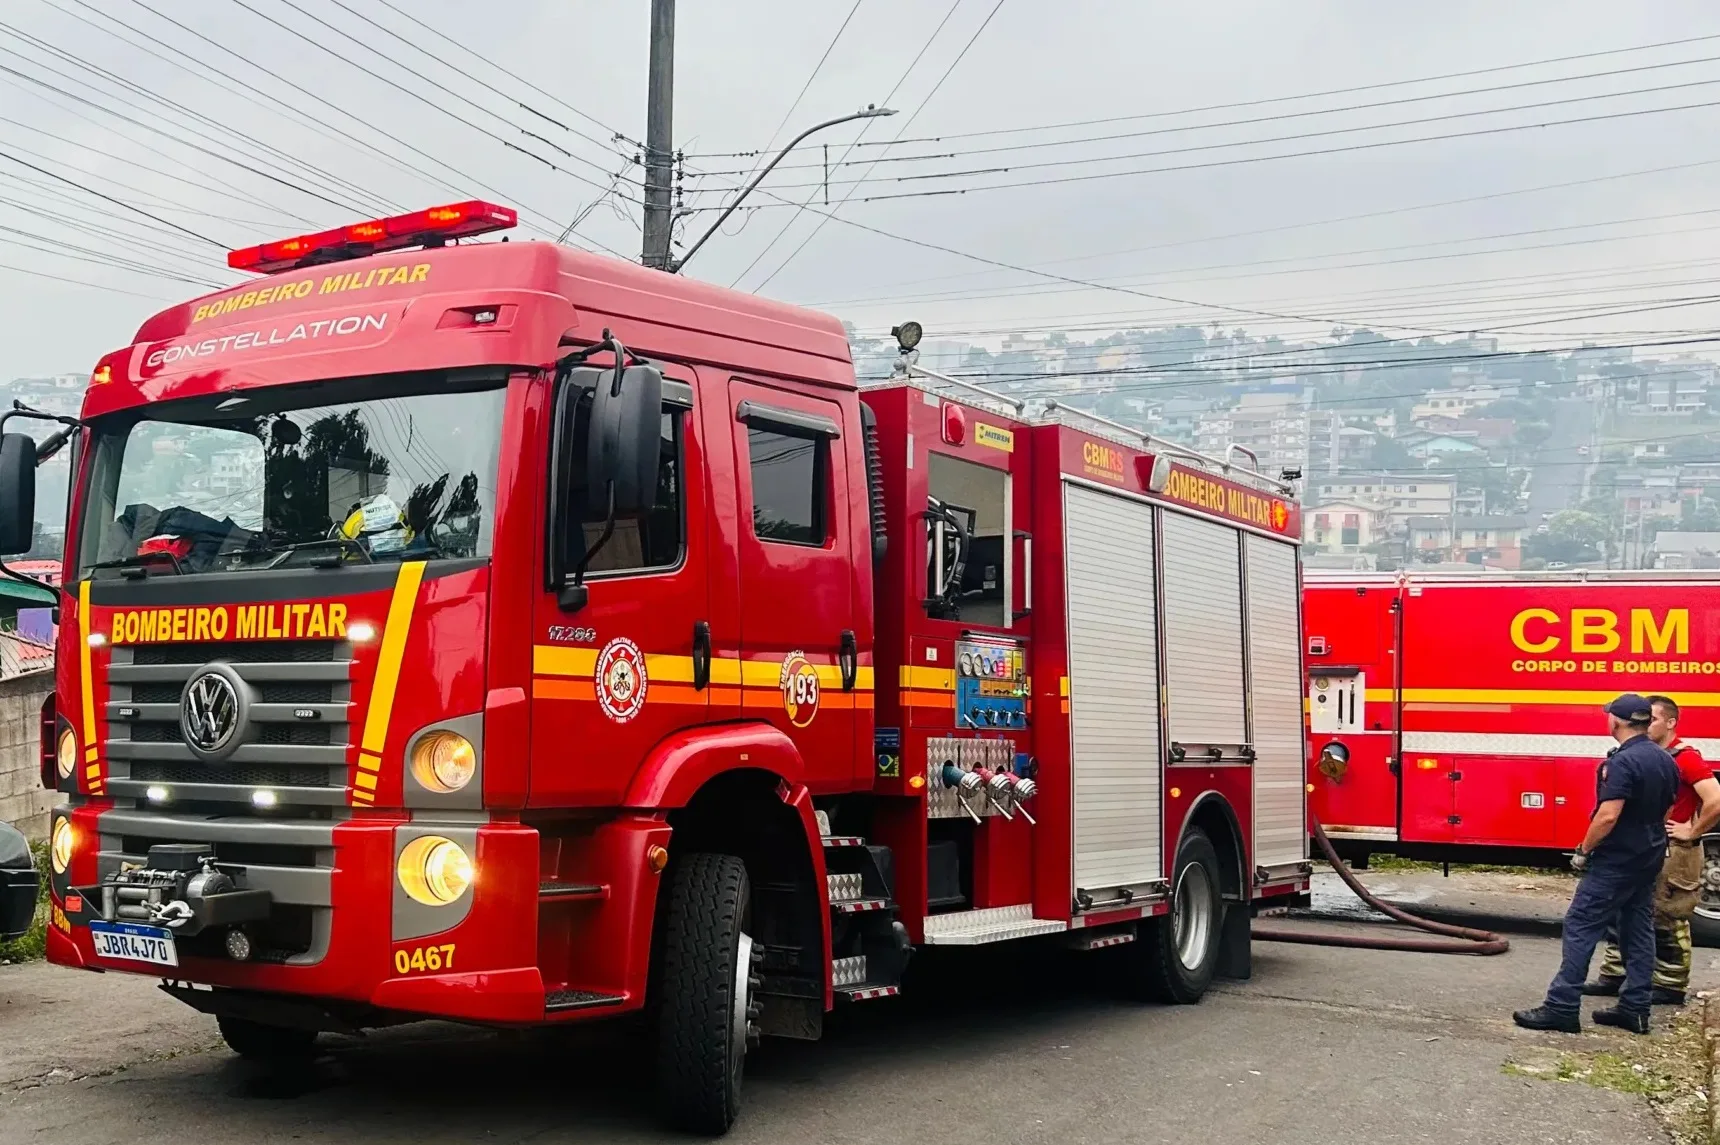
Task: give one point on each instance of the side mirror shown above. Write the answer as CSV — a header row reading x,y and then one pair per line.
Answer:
x,y
626,438
17,493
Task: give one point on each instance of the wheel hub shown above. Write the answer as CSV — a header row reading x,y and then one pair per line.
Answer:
x,y
1191,920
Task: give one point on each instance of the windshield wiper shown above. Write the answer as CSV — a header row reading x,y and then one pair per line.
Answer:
x,y
137,567
329,561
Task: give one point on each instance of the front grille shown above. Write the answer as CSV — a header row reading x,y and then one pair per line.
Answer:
x,y
283,747
293,734
249,775
259,652
292,692
156,693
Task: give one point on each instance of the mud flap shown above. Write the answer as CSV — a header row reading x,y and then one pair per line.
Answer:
x,y
1235,944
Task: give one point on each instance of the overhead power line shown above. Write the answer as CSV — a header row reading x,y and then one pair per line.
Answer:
x,y
925,46
960,56
1207,127
1270,100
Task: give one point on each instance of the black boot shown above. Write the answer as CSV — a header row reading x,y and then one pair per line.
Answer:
x,y
1547,1018
1632,1020
1666,996
1602,987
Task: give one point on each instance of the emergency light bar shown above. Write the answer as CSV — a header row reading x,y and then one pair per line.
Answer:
x,y
432,227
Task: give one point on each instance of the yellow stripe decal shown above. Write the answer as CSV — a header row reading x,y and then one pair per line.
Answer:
x,y
669,668
935,679
86,675
1063,686
388,661
550,660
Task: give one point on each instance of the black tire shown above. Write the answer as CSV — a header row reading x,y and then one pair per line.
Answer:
x,y
705,976
1705,927
274,1045
1175,956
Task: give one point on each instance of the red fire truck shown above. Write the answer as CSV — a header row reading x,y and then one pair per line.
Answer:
x,y
497,632
1456,716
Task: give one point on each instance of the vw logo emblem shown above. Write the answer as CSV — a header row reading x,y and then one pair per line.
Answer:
x,y
209,713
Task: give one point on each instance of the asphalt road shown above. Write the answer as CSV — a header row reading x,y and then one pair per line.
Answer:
x,y
1558,472
1321,1045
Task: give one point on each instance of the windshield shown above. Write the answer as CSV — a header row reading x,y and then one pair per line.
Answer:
x,y
397,469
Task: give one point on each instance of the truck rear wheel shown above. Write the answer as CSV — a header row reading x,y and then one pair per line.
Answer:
x,y
275,1045
705,1010
1176,955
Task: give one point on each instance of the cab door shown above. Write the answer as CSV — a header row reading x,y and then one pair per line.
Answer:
x,y
611,679
799,628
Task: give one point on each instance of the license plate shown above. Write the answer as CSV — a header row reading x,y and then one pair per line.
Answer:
x,y
131,942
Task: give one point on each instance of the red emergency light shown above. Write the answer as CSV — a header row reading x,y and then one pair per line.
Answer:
x,y
431,227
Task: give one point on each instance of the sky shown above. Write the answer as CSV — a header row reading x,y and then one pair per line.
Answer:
x,y
135,151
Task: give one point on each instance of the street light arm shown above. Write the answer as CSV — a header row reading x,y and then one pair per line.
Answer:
x,y
869,113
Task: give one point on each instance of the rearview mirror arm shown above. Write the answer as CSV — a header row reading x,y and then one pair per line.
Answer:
x,y
44,451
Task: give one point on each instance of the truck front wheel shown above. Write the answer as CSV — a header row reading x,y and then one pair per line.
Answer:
x,y
1176,954
274,1045
704,1009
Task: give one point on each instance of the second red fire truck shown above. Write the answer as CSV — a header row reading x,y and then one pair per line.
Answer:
x,y
1457,716
497,632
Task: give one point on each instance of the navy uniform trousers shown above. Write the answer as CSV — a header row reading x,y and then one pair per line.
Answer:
x,y
1606,897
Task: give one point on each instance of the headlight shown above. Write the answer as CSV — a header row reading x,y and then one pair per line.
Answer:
x,y
60,850
433,870
66,757
444,761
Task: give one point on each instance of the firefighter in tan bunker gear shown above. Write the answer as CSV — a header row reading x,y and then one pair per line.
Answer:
x,y
1695,813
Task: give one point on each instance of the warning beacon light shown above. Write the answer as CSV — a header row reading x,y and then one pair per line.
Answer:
x,y
429,228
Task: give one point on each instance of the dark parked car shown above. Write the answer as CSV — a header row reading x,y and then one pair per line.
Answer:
x,y
18,883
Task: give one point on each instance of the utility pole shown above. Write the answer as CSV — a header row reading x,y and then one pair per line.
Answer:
x,y
659,132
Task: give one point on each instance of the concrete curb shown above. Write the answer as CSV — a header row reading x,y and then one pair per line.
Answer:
x,y
1711,1048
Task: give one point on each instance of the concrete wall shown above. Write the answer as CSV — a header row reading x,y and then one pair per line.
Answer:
x,y
23,803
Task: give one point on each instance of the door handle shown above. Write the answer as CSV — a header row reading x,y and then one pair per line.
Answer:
x,y
849,659
701,655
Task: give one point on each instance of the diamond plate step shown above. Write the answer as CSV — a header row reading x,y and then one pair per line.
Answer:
x,y
1082,940
993,924
865,992
846,888
848,971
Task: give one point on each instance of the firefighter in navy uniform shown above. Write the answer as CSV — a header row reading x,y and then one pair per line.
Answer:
x,y
1620,858
1693,815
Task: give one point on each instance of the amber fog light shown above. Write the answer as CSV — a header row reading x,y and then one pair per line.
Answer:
x,y
444,762
60,849
434,870
66,753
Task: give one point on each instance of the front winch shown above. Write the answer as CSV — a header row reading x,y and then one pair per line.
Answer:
x,y
181,887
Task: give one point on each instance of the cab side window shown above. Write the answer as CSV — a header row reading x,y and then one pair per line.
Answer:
x,y
790,483
653,539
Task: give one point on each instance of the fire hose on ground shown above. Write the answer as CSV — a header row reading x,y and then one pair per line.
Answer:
x,y
1459,940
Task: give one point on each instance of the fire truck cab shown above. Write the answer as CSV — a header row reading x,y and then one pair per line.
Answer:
x,y
498,632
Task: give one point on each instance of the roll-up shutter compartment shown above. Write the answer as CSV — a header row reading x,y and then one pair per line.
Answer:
x,y
1275,688
1114,690
1203,632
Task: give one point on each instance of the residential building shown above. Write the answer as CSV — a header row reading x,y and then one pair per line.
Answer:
x,y
1419,443
1404,495
1345,526
1680,550
1457,402
1491,541
1273,426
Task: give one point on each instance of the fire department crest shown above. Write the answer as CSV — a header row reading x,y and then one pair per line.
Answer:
x,y
1280,515
620,679
799,682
